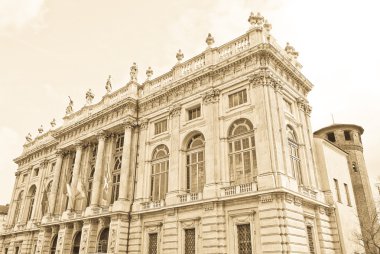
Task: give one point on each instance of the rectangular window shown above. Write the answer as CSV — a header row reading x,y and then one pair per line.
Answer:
x,y
237,98
153,243
160,127
337,190
36,171
6,251
347,194
288,106
310,239
347,135
190,241
244,239
194,113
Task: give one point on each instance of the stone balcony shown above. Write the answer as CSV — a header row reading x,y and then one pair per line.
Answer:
x,y
239,189
189,197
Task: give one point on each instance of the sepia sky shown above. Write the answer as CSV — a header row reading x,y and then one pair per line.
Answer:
x,y
52,49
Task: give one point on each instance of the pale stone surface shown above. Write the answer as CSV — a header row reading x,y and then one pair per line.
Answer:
x,y
278,204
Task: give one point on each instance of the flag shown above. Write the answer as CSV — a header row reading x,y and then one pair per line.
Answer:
x,y
45,200
107,179
81,185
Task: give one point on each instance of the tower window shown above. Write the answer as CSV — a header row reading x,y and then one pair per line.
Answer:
x,y
354,167
347,135
331,136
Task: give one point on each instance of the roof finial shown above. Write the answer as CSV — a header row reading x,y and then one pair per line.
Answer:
x,y
291,51
69,108
149,73
53,123
256,21
134,71
108,84
179,56
41,129
210,40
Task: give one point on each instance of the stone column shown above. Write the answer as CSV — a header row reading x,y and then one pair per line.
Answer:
x,y
122,203
212,162
78,157
54,186
142,175
40,191
95,195
173,179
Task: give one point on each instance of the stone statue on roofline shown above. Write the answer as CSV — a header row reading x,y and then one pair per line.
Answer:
x,y
108,84
89,97
134,71
28,137
69,108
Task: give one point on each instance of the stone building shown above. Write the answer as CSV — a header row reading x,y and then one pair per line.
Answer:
x,y
215,156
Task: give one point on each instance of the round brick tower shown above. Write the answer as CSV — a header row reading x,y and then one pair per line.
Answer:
x,y
348,138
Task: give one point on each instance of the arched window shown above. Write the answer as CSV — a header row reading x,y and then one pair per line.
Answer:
x,y
195,164
241,152
117,167
294,154
45,198
159,180
103,241
31,197
18,202
53,246
76,243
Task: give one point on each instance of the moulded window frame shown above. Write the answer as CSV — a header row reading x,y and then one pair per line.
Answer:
x,y
236,92
241,218
196,106
160,121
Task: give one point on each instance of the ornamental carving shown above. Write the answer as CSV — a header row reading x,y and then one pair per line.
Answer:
x,y
211,96
266,198
303,104
113,240
175,111
264,78
84,241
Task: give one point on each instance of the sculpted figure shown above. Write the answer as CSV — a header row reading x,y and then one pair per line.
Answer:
x,y
108,84
89,97
69,108
29,137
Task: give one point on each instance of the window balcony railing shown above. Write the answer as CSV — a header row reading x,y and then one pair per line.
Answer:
x,y
307,192
188,197
239,189
152,204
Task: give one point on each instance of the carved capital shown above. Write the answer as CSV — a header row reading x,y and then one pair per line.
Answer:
x,y
59,153
79,145
144,124
211,96
44,163
101,135
266,198
263,78
175,111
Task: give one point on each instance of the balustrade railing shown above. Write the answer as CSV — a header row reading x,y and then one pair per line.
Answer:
x,y
187,197
239,189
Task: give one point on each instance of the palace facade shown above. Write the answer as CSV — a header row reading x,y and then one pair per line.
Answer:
x,y
215,156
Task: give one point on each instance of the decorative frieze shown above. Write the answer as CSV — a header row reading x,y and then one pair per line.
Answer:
x,y
266,198
211,96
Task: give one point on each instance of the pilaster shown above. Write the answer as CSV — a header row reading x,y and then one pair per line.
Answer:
x,y
122,204
95,195
173,179
212,161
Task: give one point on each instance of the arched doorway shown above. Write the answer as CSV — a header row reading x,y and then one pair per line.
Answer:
x,y
76,243
53,245
103,241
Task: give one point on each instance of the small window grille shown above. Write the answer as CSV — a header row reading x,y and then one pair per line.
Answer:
x,y
194,113
237,98
190,241
310,239
337,190
244,239
153,243
347,194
